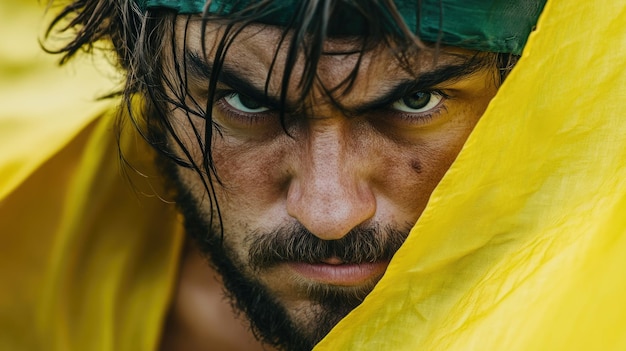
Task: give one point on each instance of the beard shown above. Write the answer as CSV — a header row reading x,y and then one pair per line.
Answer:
x,y
269,319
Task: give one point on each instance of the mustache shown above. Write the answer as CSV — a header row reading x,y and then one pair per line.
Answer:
x,y
297,244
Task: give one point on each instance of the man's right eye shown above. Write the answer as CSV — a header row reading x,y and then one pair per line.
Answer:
x,y
244,104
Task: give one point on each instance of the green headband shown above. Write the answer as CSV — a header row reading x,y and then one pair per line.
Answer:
x,y
484,25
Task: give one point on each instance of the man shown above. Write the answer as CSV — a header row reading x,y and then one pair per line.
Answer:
x,y
322,151
306,139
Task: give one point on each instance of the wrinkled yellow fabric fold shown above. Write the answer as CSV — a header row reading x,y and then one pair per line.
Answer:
x,y
523,244
87,260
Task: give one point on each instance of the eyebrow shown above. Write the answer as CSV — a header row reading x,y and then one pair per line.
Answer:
x,y
426,81
200,68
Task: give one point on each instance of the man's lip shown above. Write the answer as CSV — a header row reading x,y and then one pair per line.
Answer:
x,y
334,272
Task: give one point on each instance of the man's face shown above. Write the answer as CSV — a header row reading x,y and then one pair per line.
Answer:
x,y
311,217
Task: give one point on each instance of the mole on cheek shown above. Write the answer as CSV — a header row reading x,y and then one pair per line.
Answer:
x,y
416,165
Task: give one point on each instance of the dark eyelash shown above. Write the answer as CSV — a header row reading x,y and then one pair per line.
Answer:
x,y
220,94
433,91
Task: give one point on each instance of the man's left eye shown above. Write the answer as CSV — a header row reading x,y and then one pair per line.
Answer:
x,y
244,104
418,102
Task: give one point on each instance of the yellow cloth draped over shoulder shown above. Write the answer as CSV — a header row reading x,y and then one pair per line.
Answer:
x,y
87,259
521,247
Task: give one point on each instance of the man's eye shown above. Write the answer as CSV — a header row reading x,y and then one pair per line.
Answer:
x,y
418,102
244,104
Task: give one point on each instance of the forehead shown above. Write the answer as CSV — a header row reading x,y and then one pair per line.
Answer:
x,y
257,47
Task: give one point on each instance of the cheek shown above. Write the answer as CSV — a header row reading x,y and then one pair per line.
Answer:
x,y
406,178
413,169
250,173
254,177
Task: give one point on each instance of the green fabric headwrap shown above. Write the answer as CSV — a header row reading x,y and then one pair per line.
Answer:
x,y
484,25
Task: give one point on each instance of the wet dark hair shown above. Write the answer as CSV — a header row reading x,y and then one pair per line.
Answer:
x,y
140,39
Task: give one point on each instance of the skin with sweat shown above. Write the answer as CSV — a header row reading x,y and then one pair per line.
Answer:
x,y
363,159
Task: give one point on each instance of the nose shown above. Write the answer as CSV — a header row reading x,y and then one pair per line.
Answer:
x,y
330,193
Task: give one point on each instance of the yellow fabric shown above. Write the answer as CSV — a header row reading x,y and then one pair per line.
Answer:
x,y
87,260
41,106
520,247
523,244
